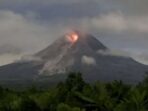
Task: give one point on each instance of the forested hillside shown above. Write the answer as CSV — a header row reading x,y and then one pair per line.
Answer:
x,y
76,95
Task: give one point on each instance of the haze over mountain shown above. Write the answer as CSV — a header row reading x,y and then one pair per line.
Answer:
x,y
74,52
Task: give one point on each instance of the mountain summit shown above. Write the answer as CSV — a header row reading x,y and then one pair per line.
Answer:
x,y
74,52
71,42
69,52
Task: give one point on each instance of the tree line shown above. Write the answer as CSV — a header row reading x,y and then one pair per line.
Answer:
x,y
74,94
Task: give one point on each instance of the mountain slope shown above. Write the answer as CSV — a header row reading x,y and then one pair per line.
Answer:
x,y
75,52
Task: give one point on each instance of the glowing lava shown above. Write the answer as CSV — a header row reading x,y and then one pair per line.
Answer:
x,y
73,37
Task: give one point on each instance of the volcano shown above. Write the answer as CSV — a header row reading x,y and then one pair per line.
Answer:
x,y
73,52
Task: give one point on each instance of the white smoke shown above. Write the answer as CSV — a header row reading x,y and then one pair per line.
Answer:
x,y
9,58
88,60
114,53
139,57
30,58
142,58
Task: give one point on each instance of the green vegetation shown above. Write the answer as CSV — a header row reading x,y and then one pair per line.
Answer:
x,y
76,95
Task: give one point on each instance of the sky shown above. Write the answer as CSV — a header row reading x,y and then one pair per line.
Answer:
x,y
27,26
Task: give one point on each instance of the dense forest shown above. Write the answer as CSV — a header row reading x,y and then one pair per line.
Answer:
x,y
76,95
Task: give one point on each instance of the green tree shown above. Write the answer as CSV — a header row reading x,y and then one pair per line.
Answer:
x,y
62,92
63,107
75,82
117,90
28,104
136,101
102,98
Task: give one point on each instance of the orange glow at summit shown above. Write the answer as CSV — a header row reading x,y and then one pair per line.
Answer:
x,y
72,37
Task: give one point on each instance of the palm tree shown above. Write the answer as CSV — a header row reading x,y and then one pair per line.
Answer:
x,y
136,101
117,90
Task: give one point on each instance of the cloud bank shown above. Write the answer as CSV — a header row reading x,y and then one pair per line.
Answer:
x,y
22,34
29,26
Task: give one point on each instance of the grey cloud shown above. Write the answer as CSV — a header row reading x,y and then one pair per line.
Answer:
x,y
9,49
134,7
57,10
19,31
117,22
61,8
30,25
30,35
20,34
40,2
